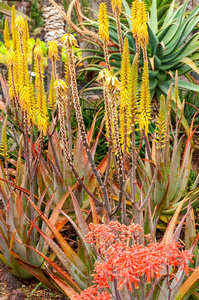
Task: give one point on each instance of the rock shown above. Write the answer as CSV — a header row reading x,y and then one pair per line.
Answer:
x,y
17,295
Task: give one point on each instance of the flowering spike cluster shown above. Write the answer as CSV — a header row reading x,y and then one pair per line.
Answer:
x,y
161,123
22,69
116,5
134,90
42,119
67,72
4,141
129,266
125,96
145,106
13,29
6,35
103,22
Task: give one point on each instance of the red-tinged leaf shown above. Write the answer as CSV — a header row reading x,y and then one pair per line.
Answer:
x,y
3,196
61,221
87,248
188,286
63,274
5,247
80,218
170,228
94,212
25,191
190,229
67,289
90,134
70,254
101,169
69,259
37,272
55,213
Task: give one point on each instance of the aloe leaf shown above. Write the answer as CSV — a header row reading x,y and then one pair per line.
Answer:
x,y
128,13
178,15
69,257
80,218
169,14
190,63
67,289
190,230
153,40
170,228
37,272
153,18
66,259
7,10
174,171
5,248
188,286
63,274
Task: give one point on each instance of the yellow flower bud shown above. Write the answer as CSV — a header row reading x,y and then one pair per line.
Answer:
x,y
116,5
69,39
53,50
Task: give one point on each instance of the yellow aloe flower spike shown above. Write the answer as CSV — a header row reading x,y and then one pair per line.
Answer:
x,y
134,90
20,24
4,140
13,28
11,65
60,84
67,71
116,5
42,119
6,35
26,35
51,94
161,123
145,106
125,96
134,17
103,22
142,19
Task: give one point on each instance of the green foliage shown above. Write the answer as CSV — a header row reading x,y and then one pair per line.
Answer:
x,y
36,14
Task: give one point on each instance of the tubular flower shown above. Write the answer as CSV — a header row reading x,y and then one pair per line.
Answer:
x,y
40,97
26,34
103,22
13,28
116,5
111,81
128,265
134,90
67,72
6,35
142,19
161,123
145,107
125,96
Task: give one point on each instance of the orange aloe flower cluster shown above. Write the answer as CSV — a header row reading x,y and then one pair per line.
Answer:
x,y
128,263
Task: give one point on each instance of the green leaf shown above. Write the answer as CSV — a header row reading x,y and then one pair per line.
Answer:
x,y
154,17
7,10
153,40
